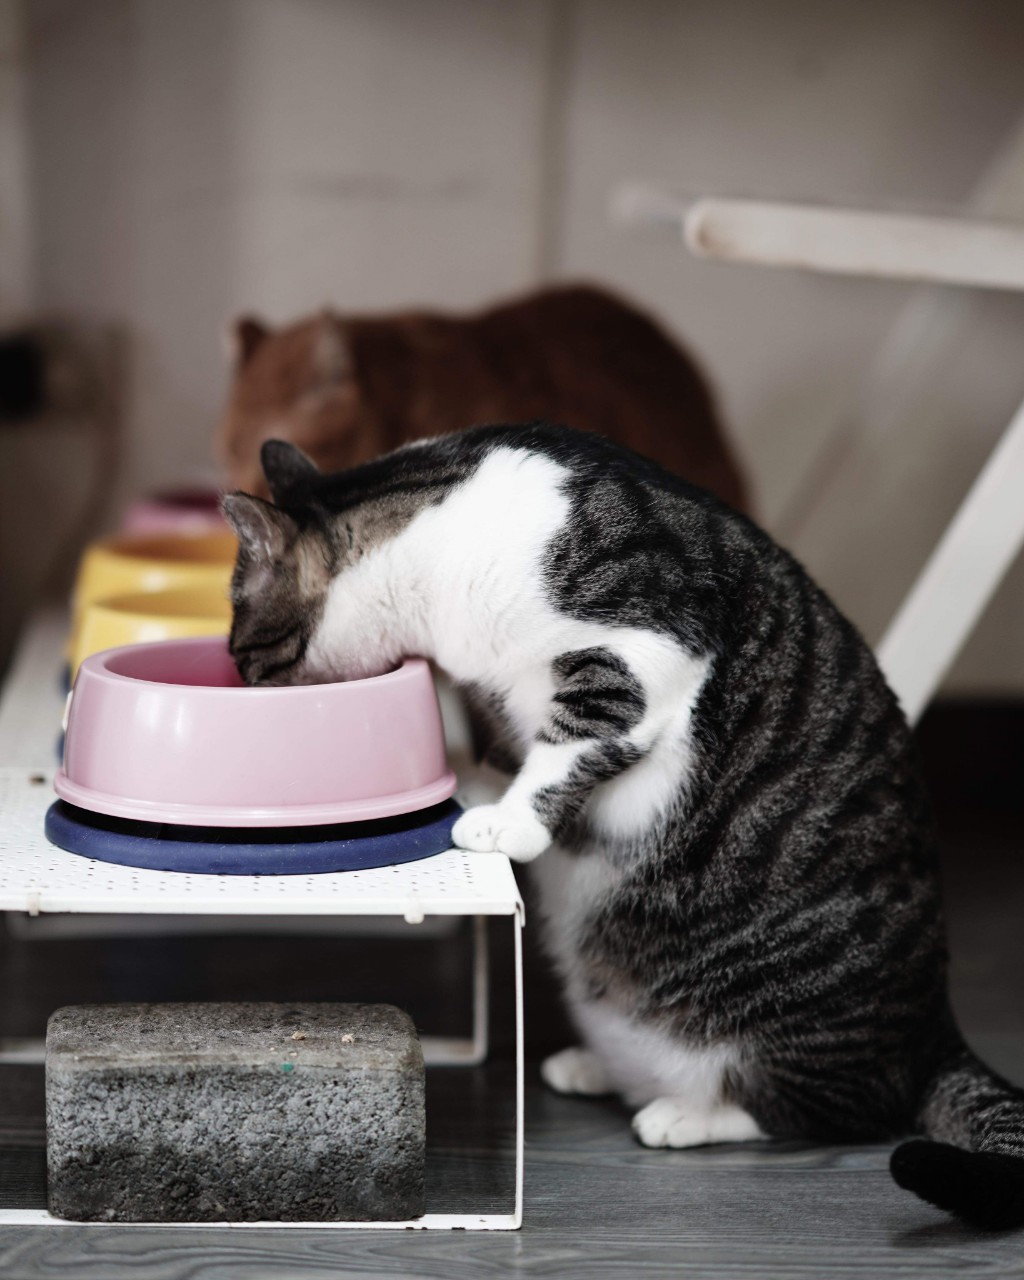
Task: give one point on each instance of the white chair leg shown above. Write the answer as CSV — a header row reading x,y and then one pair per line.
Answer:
x,y
960,577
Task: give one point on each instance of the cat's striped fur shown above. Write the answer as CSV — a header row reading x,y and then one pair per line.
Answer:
x,y
739,877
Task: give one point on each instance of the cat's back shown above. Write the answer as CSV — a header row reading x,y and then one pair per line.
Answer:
x,y
575,315
643,547
581,315
573,353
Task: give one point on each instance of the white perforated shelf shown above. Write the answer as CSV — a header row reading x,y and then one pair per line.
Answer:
x,y
37,876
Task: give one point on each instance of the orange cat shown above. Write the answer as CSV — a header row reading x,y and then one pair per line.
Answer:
x,y
347,388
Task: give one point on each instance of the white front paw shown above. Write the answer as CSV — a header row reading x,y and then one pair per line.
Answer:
x,y
499,828
674,1122
575,1071
668,1122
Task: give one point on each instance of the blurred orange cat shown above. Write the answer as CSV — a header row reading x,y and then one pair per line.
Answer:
x,y
347,388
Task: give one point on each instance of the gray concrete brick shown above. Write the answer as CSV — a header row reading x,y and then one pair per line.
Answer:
x,y
234,1112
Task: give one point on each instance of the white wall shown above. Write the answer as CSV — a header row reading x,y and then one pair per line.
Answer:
x,y
16,296
15,215
196,158
192,159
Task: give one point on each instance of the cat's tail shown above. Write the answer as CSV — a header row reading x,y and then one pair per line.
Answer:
x,y
974,1164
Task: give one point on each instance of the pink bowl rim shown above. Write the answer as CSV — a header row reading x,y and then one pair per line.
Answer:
x,y
97,664
321,815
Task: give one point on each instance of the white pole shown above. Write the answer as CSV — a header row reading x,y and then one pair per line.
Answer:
x,y
852,242
960,577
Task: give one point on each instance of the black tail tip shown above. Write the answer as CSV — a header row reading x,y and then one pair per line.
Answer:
x,y
983,1188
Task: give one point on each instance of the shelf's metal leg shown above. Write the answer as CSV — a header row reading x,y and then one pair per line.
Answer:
x,y
520,1069
481,990
22,1050
456,1051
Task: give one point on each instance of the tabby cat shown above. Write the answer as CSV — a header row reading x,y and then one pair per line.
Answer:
x,y
347,388
736,865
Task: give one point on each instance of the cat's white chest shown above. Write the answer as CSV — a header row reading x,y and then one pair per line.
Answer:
x,y
492,622
462,583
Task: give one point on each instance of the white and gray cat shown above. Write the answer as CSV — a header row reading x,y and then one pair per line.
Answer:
x,y
737,871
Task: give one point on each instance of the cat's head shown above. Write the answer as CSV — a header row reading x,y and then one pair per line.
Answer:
x,y
286,560
296,384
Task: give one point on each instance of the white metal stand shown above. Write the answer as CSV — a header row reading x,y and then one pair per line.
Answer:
x,y
38,878
986,534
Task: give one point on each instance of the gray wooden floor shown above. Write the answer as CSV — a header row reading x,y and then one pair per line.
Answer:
x,y
597,1205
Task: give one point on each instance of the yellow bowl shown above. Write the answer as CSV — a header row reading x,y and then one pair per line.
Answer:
x,y
149,615
129,563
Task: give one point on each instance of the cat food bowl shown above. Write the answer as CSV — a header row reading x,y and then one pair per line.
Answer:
x,y
147,616
130,562
175,511
167,732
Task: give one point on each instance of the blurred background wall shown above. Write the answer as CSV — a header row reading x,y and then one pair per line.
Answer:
x,y
165,164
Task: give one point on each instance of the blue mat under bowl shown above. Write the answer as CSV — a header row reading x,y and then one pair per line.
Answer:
x,y
253,851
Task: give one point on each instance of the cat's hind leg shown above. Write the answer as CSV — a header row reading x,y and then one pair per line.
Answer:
x,y
676,1122
578,1071
683,1083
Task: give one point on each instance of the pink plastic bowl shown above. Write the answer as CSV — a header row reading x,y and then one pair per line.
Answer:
x,y
174,511
167,732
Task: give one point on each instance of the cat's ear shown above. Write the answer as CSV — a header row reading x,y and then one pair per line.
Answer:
x,y
242,339
332,358
290,473
263,530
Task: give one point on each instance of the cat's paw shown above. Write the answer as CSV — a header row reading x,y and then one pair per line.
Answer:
x,y
575,1071
673,1122
498,828
668,1122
